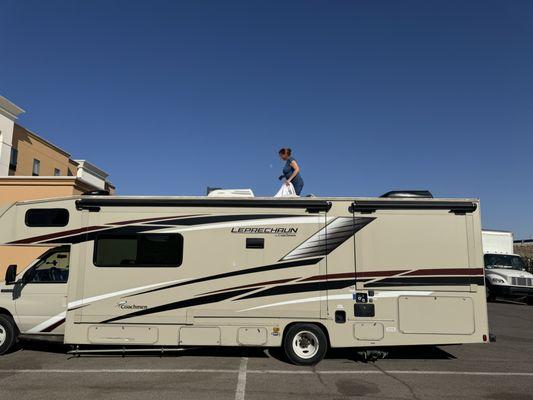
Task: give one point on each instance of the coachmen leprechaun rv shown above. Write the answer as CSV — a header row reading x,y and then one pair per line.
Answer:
x,y
302,273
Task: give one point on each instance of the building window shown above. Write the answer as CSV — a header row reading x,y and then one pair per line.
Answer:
x,y
14,159
57,172
148,250
36,167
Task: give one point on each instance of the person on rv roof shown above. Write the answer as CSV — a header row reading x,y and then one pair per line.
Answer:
x,y
291,170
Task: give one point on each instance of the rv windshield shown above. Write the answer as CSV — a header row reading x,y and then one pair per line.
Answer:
x,y
503,261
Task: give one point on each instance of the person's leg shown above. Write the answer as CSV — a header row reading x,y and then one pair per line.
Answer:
x,y
298,187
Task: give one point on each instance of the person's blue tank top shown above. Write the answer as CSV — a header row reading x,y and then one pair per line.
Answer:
x,y
288,171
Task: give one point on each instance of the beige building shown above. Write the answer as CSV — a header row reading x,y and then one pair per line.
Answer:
x,y
33,168
31,155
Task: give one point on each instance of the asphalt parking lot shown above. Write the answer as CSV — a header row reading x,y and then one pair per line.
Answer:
x,y
496,371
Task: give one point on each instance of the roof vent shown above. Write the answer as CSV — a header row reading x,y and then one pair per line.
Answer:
x,y
231,193
96,193
409,194
211,189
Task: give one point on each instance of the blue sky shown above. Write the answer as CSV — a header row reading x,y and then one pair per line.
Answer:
x,y
172,96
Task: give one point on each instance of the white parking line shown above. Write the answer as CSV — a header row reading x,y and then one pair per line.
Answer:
x,y
243,371
394,372
241,381
119,371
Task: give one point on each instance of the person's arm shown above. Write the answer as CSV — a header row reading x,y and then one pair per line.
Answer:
x,y
296,168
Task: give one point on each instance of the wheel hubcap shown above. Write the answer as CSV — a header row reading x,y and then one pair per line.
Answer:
x,y
305,344
2,335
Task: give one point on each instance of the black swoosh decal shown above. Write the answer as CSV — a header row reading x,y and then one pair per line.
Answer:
x,y
85,237
197,301
148,226
211,219
329,237
290,264
300,288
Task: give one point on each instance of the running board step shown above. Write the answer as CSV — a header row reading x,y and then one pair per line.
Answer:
x,y
124,350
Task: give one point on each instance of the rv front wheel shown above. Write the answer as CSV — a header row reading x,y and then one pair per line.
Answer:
x,y
8,333
489,293
305,344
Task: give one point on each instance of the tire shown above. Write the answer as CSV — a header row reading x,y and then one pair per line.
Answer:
x,y
8,333
490,293
305,344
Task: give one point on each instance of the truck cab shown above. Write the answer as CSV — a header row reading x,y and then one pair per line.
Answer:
x,y
35,300
506,276
505,272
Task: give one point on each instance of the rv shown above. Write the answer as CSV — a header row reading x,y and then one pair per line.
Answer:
x,y
505,271
304,274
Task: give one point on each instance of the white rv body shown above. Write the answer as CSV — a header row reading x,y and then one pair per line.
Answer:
x,y
302,273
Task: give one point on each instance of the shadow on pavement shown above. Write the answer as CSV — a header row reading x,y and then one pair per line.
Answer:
x,y
352,354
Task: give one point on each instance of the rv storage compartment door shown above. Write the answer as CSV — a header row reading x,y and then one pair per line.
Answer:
x,y
252,336
200,336
127,334
369,331
436,314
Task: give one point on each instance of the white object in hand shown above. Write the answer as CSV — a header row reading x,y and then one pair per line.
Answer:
x,y
286,190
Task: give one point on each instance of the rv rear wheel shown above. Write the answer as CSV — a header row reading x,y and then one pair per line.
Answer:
x,y
305,344
8,333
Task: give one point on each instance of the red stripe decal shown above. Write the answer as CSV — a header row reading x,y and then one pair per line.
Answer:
x,y
354,275
379,274
252,285
41,238
135,221
446,271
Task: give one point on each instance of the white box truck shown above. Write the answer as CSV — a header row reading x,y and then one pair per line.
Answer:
x,y
505,272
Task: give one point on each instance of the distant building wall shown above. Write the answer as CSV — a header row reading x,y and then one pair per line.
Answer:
x,y
524,248
8,114
18,188
6,133
52,160
92,174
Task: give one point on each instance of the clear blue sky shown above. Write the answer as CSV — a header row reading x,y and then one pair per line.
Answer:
x,y
172,96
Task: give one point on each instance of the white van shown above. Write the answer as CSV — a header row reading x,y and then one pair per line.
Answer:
x,y
504,271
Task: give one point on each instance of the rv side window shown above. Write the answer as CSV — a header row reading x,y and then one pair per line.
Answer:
x,y
148,250
43,217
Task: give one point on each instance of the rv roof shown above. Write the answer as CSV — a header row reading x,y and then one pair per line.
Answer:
x,y
248,199
310,204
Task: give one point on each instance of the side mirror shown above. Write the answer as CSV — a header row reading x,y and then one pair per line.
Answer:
x,y
11,274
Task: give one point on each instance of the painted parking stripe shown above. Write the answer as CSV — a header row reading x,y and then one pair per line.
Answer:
x,y
241,380
268,371
394,372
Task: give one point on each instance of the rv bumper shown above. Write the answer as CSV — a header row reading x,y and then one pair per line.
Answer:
x,y
512,291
